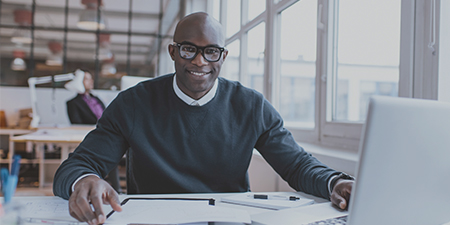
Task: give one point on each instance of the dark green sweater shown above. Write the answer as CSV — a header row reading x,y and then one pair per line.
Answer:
x,y
177,148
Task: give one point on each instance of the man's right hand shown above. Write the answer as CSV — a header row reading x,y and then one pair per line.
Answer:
x,y
95,191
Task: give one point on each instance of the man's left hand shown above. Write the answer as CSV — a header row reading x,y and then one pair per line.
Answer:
x,y
341,193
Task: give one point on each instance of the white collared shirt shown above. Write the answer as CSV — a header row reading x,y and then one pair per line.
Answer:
x,y
190,101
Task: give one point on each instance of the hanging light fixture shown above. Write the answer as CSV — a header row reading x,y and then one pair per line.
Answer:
x,y
23,18
55,58
18,64
89,20
108,67
104,51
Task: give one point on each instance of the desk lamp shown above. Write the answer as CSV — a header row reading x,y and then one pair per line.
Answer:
x,y
74,84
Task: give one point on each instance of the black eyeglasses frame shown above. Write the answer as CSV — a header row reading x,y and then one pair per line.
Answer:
x,y
221,49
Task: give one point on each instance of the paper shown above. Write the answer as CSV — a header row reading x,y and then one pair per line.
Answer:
x,y
55,209
246,199
175,212
301,215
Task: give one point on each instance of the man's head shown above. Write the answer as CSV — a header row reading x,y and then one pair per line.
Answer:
x,y
196,76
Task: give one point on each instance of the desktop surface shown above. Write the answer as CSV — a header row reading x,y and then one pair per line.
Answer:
x,y
46,209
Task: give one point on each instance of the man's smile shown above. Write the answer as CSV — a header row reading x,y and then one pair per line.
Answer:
x,y
199,74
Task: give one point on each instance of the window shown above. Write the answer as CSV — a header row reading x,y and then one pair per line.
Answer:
x,y
255,57
324,59
365,56
298,64
230,69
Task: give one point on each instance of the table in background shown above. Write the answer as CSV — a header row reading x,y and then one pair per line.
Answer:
x,y
10,132
67,138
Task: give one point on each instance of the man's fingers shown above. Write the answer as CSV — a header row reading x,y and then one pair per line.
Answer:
x,y
77,206
113,199
341,193
339,201
98,209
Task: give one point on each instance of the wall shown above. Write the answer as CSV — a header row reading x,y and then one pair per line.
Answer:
x,y
51,104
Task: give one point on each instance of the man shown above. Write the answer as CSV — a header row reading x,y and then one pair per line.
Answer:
x,y
85,108
189,132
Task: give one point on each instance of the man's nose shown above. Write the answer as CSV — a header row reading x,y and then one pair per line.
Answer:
x,y
199,60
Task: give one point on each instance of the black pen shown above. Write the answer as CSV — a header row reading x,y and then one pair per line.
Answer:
x,y
274,197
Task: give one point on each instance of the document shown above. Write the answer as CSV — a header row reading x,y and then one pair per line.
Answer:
x,y
300,215
175,212
50,211
267,200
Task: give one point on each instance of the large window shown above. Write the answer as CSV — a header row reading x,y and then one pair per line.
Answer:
x,y
298,64
322,60
365,55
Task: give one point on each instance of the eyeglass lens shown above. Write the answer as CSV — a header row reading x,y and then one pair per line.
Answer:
x,y
190,51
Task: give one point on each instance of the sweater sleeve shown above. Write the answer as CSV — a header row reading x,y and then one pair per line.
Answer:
x,y
102,148
276,144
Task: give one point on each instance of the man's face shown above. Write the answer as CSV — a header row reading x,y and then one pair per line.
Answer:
x,y
196,76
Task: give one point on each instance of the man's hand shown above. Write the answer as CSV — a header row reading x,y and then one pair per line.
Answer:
x,y
341,193
95,191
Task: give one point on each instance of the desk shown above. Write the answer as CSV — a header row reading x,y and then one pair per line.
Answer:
x,y
67,138
11,133
253,211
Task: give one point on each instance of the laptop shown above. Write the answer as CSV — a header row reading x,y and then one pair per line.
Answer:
x,y
403,173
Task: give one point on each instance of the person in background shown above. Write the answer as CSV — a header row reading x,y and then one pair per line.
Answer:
x,y
189,132
87,108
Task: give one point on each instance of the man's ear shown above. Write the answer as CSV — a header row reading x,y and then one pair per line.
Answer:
x,y
225,54
171,51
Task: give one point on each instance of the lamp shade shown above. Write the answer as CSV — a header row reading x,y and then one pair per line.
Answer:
x,y
55,58
18,64
77,83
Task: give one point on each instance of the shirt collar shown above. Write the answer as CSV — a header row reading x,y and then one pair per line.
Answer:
x,y
190,101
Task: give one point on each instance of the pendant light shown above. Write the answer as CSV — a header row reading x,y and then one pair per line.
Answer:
x,y
23,18
89,20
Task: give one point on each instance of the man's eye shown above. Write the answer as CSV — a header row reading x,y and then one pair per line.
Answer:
x,y
211,51
188,48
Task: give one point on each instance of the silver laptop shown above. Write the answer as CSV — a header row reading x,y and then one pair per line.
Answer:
x,y
403,175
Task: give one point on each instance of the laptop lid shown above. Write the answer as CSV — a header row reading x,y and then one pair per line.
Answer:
x,y
403,175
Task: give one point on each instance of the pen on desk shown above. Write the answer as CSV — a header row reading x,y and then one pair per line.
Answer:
x,y
274,197
50,221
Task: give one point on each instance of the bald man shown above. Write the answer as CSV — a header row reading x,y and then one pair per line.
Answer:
x,y
189,132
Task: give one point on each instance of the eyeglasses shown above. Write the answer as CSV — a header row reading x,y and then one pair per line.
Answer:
x,y
190,51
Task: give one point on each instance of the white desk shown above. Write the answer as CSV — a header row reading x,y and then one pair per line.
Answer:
x,y
67,138
255,213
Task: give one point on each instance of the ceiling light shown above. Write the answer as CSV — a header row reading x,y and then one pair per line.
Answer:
x,y
89,20
55,58
104,52
23,18
21,36
108,67
18,64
